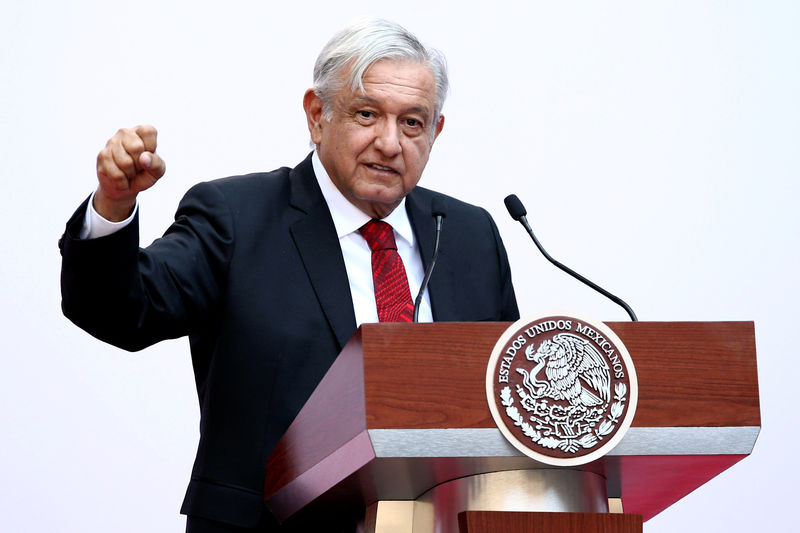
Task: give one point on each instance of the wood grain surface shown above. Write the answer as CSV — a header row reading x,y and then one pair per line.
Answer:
x,y
498,522
433,375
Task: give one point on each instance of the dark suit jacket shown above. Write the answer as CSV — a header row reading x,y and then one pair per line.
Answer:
x,y
251,270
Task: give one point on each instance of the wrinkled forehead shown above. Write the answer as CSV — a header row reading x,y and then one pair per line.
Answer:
x,y
354,75
405,79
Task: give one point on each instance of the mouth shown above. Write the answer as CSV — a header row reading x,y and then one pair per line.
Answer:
x,y
381,168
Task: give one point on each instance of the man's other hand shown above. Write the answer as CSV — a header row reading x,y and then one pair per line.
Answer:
x,y
126,166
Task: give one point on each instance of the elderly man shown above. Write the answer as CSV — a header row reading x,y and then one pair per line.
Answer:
x,y
270,274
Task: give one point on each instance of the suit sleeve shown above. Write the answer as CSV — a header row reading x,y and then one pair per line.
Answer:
x,y
133,297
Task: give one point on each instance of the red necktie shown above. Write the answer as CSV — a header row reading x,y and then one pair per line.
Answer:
x,y
392,295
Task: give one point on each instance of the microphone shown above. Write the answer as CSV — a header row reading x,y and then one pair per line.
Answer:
x,y
518,212
438,212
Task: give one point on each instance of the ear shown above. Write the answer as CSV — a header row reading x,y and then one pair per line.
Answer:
x,y
313,106
439,127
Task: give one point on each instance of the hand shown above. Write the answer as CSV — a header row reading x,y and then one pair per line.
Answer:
x,y
126,166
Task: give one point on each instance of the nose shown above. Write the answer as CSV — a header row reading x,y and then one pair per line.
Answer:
x,y
387,138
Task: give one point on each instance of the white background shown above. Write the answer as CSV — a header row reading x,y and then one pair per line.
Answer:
x,y
655,145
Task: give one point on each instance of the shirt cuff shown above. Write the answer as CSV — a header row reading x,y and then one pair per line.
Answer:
x,y
95,226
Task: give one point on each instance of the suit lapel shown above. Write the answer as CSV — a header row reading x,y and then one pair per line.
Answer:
x,y
315,237
440,288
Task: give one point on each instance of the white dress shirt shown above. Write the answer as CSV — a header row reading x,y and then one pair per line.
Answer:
x,y
347,220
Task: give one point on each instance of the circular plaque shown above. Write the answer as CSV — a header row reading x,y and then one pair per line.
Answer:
x,y
562,389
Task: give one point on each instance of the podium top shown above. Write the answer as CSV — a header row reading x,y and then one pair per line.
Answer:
x,y
691,374
404,408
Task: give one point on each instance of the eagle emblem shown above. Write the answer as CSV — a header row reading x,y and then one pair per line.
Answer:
x,y
565,396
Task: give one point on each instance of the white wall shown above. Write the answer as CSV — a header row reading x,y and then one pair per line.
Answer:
x,y
655,145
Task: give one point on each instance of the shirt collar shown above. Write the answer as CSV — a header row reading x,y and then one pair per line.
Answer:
x,y
347,218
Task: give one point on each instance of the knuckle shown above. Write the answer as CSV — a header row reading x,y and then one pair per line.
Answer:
x,y
134,145
126,164
112,173
103,156
148,135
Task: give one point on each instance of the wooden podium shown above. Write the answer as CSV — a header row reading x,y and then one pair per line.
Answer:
x,y
398,434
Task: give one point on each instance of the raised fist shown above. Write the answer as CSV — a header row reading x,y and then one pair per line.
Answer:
x,y
125,167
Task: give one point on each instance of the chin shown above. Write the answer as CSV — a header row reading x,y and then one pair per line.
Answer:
x,y
382,194
378,206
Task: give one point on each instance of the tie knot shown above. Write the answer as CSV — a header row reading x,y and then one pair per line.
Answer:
x,y
379,235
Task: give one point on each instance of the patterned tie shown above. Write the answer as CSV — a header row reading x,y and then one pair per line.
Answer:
x,y
392,295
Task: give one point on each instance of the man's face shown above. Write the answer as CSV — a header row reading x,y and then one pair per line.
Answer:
x,y
376,144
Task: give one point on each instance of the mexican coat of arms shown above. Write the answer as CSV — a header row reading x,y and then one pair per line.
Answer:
x,y
562,389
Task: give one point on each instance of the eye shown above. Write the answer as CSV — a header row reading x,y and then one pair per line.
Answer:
x,y
412,126
363,113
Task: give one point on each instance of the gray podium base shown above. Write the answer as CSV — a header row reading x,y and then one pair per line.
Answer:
x,y
436,511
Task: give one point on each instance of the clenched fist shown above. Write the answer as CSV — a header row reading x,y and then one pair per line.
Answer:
x,y
125,167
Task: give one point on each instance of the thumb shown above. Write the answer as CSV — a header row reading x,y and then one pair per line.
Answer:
x,y
152,164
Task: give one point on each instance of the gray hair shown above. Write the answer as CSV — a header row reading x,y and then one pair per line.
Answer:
x,y
365,42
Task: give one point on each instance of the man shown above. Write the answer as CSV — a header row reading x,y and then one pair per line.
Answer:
x,y
270,274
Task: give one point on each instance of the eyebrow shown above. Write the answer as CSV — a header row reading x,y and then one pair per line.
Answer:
x,y
361,100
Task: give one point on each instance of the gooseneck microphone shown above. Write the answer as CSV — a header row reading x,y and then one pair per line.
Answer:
x,y
518,212
438,212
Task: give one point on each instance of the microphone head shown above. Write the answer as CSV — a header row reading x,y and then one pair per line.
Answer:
x,y
437,207
515,207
